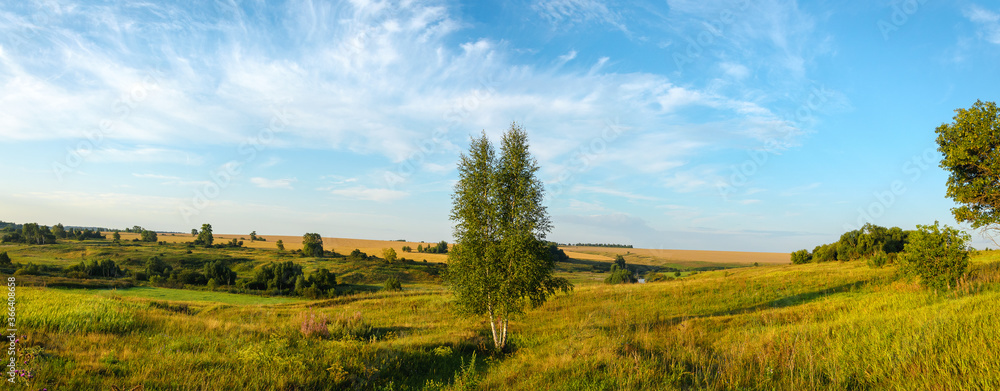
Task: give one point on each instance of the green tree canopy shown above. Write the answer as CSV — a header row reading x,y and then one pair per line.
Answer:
x,y
59,231
971,149
220,272
312,245
939,255
389,254
205,236
801,256
500,261
148,236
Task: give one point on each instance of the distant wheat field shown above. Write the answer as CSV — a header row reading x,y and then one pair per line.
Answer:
x,y
656,257
338,245
639,256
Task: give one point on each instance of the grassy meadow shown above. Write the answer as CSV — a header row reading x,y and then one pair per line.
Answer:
x,y
827,326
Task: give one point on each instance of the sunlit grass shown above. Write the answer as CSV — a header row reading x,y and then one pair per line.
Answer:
x,y
829,326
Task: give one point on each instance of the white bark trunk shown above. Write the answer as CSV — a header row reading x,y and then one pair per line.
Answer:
x,y
493,326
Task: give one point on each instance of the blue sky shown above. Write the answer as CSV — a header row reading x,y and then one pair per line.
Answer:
x,y
729,125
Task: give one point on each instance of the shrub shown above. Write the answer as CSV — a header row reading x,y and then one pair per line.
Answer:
x,y
939,255
192,277
389,254
825,253
220,272
620,276
357,255
878,259
322,279
278,277
312,245
656,277
392,284
30,269
801,256
148,236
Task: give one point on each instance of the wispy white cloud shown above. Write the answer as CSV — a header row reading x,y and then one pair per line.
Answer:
x,y
283,183
988,22
370,194
584,206
363,77
156,176
563,59
612,192
799,190
563,12
270,162
736,71
144,155
693,179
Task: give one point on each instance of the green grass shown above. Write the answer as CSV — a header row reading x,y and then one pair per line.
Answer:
x,y
831,326
193,295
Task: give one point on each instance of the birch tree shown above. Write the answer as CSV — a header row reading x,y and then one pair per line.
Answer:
x,y
500,263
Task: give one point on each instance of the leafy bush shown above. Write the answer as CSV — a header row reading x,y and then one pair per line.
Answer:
x,y
656,277
148,236
879,259
801,256
220,272
389,254
439,248
620,275
157,267
192,277
276,276
939,255
312,245
357,255
105,268
392,284
825,253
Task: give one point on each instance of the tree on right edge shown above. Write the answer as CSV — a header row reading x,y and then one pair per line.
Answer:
x,y
971,148
500,262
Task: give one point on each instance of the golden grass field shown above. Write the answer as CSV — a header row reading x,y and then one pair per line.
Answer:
x,y
828,326
656,257
638,256
339,245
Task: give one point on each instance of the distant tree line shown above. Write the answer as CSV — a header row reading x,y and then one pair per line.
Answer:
x,y
603,245
29,233
938,255
439,248
864,243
